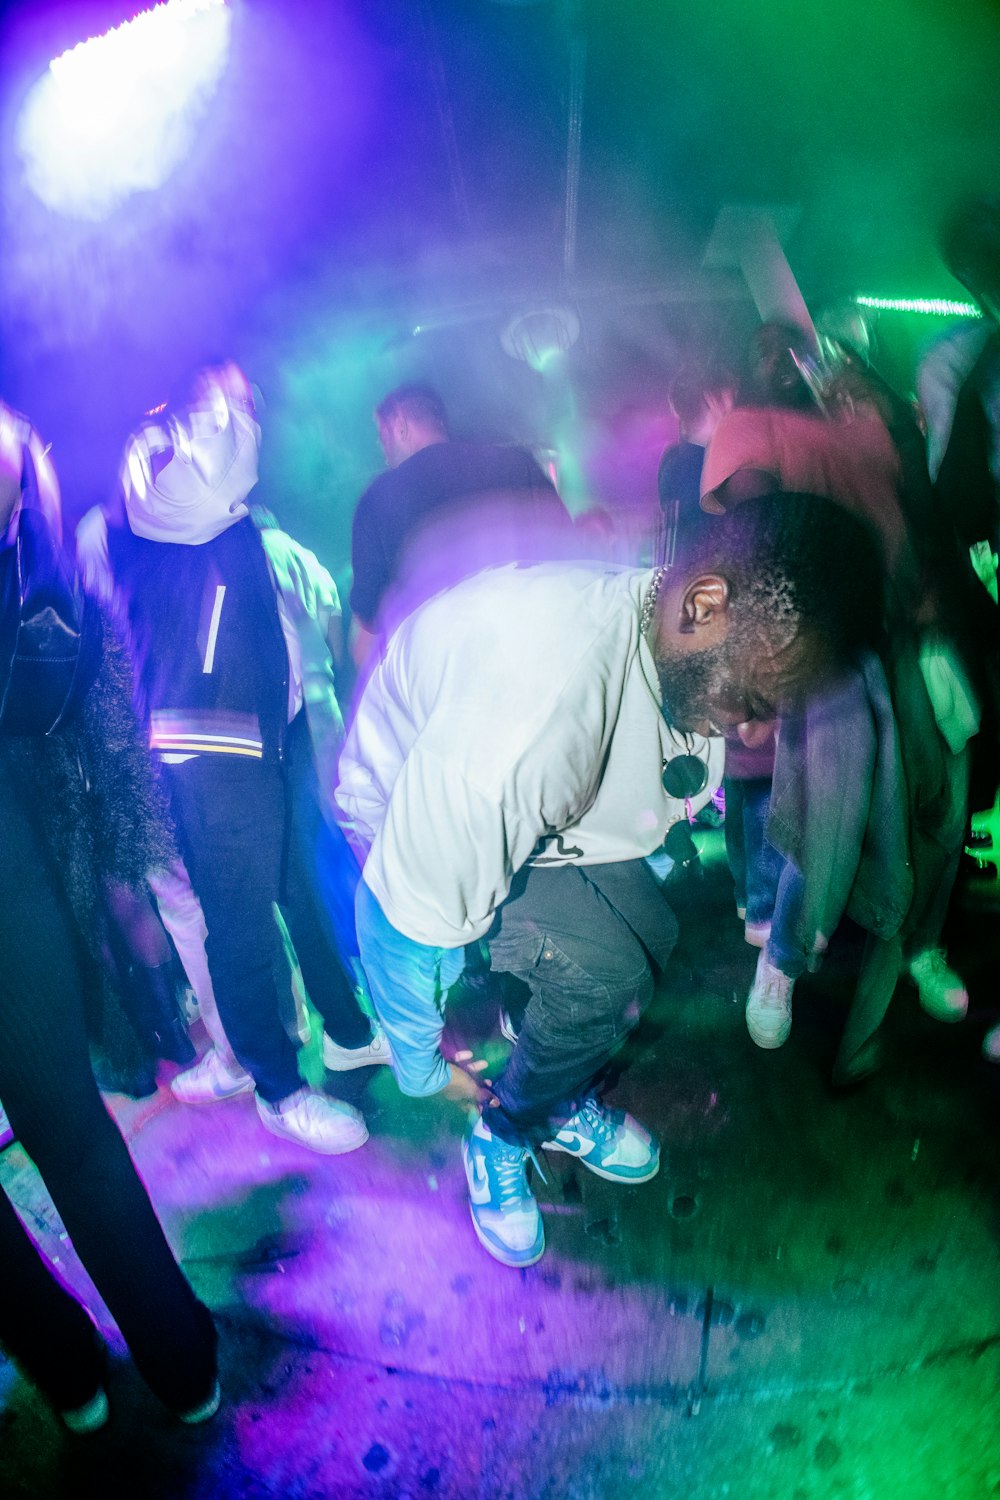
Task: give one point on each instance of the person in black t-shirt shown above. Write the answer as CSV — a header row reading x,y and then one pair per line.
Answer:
x,y
442,511
698,399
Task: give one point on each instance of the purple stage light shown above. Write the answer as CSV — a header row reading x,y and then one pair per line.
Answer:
x,y
117,114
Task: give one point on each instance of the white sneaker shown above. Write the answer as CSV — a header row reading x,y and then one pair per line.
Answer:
x,y
342,1059
942,994
316,1121
769,1005
209,1080
991,1045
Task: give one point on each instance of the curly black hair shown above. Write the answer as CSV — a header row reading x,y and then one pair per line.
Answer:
x,y
798,560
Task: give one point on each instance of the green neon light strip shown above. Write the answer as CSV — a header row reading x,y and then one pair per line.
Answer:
x,y
934,307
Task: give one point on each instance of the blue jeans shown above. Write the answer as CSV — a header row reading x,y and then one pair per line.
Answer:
x,y
408,982
587,973
754,864
784,946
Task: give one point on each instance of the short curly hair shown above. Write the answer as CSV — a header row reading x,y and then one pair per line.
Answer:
x,y
798,560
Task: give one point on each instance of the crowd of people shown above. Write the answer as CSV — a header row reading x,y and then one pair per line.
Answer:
x,y
220,801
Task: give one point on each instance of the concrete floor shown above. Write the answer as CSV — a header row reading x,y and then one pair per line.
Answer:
x,y
804,1305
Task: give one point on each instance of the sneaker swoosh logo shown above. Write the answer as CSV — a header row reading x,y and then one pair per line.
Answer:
x,y
479,1183
577,1145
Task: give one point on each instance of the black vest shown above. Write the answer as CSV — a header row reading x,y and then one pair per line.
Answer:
x,y
211,661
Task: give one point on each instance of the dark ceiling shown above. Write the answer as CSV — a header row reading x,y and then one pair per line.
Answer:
x,y
373,166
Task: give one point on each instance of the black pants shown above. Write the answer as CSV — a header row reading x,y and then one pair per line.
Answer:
x,y
234,819
581,939
57,1114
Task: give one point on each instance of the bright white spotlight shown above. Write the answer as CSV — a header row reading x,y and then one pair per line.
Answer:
x,y
117,114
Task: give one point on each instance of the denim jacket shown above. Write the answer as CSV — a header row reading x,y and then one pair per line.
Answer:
x,y
839,808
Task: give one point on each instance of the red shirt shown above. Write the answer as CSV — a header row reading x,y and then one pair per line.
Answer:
x,y
850,459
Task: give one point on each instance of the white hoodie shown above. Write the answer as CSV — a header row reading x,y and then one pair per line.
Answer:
x,y
186,479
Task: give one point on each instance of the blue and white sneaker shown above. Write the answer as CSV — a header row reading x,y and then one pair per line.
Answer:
x,y
608,1142
505,1215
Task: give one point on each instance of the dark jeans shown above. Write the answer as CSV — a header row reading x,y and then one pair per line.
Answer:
x,y
234,821
320,878
57,1114
754,864
589,979
327,870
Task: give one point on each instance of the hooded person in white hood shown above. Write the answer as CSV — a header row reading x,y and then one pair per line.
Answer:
x,y
230,626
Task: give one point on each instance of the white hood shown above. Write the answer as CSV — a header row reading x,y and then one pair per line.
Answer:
x,y
186,477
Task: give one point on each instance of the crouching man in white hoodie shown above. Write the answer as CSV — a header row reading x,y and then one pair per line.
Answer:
x,y
529,736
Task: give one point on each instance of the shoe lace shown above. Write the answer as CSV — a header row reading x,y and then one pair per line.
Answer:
x,y
509,1163
775,988
600,1122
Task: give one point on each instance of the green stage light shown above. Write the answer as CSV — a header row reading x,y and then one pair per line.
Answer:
x,y
933,307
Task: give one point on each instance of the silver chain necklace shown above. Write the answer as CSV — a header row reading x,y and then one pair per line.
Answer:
x,y
649,603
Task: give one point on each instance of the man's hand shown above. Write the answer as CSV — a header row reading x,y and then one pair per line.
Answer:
x,y
463,1086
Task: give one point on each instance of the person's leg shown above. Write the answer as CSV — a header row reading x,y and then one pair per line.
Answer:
x,y
782,961
310,923
590,981
784,946
182,916
937,852
56,1111
408,982
736,854
231,822
321,877
150,976
42,1325
332,863
764,864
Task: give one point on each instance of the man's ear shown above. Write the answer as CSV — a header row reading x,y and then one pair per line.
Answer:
x,y
705,600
